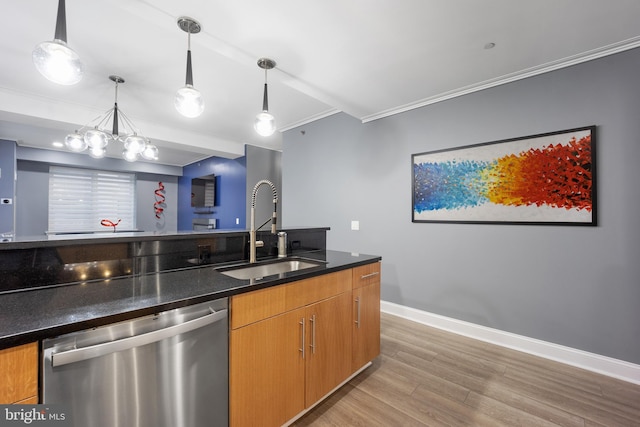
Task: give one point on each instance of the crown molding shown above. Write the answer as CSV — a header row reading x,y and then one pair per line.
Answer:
x,y
511,77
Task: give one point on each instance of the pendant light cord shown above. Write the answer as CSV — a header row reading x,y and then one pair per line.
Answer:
x,y
189,79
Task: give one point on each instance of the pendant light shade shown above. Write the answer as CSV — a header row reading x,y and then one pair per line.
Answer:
x,y
54,59
188,99
189,102
265,123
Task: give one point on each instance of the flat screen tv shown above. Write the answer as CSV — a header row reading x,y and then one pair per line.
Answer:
x,y
203,191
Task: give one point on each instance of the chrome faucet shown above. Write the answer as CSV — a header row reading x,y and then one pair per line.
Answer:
x,y
253,243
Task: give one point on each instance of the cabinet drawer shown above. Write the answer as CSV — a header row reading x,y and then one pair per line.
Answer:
x,y
257,305
19,373
366,275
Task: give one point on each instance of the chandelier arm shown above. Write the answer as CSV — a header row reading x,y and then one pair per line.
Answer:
x,y
128,123
88,124
104,119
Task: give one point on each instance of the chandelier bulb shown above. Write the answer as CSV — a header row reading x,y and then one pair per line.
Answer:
x,y
97,153
150,152
75,142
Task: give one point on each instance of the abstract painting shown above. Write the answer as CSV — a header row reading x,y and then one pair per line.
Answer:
x,y
538,179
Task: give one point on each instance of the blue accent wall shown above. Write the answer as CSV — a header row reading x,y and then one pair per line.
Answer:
x,y
231,179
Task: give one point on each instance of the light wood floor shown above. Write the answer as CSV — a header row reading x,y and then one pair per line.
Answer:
x,y
428,377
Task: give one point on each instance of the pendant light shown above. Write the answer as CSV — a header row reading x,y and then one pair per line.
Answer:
x,y
265,124
188,100
54,59
96,135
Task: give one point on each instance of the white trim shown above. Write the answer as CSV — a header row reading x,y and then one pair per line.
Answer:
x,y
310,119
508,78
615,368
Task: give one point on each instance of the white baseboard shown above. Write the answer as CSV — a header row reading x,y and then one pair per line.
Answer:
x,y
619,369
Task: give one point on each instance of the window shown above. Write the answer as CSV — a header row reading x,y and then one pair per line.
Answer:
x,y
79,199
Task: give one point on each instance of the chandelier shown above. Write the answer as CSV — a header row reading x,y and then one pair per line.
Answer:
x,y
96,135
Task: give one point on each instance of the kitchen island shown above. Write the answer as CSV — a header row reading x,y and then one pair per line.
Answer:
x,y
38,313
148,274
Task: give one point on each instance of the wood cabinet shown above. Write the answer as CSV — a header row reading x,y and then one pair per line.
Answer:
x,y
328,354
290,345
266,371
366,314
19,373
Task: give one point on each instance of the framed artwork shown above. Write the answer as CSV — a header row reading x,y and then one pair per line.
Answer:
x,y
539,179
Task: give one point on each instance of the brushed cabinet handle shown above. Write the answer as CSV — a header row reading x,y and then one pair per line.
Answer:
x,y
366,276
313,334
302,334
358,312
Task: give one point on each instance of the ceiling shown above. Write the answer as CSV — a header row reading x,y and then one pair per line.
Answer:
x,y
367,58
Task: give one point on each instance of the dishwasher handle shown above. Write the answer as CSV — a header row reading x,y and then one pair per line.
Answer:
x,y
90,352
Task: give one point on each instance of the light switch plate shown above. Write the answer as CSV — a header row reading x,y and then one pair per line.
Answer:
x,y
355,225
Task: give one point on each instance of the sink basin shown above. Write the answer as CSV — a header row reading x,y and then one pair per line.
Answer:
x,y
269,268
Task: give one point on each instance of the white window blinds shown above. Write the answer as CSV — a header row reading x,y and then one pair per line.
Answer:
x,y
80,199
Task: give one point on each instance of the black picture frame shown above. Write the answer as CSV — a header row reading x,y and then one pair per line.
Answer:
x,y
543,179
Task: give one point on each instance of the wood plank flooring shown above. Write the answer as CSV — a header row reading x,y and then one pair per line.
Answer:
x,y
429,377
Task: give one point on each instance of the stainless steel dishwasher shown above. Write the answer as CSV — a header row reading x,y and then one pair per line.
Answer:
x,y
164,370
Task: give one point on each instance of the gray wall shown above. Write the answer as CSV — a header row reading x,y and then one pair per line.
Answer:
x,y
146,186
7,186
263,164
572,285
32,190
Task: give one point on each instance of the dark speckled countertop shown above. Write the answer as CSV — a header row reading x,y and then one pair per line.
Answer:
x,y
35,314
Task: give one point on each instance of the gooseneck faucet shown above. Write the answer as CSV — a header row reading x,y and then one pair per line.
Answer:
x,y
253,243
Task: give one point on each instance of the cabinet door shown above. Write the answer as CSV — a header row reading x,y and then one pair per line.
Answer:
x,y
19,373
329,345
366,324
266,379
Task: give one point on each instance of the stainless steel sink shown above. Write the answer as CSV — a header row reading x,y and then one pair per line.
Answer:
x,y
269,268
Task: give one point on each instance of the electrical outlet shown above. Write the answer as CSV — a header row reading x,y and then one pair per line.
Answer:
x,y
355,225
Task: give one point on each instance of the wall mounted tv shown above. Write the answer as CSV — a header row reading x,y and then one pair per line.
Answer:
x,y
203,191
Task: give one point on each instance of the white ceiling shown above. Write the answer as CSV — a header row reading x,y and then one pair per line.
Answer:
x,y
367,58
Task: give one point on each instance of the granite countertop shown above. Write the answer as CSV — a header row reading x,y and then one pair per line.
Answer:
x,y
35,314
